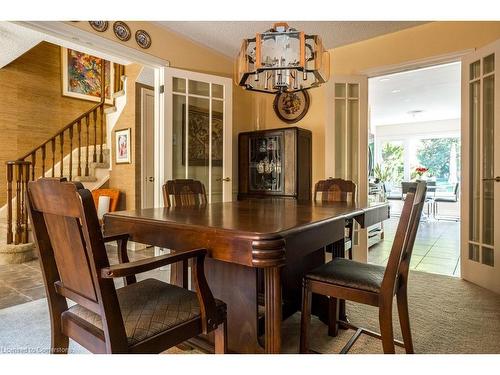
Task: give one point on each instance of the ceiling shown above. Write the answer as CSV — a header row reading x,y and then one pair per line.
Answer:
x,y
15,40
395,98
226,36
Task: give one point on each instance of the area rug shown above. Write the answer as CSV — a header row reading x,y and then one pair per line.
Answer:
x,y
447,314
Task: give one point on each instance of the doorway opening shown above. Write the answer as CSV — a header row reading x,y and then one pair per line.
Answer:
x,y
415,134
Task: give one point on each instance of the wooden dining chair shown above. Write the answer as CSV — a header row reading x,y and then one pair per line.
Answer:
x,y
148,316
338,190
184,193
369,284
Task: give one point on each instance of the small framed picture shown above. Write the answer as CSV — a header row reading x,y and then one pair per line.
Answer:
x,y
123,144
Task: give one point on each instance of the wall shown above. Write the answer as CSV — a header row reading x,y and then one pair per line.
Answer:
x,y
123,176
426,129
31,105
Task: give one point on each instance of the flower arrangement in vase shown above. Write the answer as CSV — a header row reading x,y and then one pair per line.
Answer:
x,y
419,171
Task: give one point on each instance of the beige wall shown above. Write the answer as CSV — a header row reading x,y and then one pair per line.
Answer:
x,y
428,40
32,108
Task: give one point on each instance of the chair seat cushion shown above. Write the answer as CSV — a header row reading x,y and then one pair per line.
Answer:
x,y
350,274
149,307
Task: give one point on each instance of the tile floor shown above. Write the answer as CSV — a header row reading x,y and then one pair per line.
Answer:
x,y
436,249
20,283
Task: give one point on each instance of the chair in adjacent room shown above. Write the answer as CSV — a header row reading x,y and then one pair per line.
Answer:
x,y
148,316
338,190
183,193
446,197
369,284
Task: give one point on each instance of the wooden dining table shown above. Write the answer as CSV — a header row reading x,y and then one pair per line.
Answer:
x,y
259,250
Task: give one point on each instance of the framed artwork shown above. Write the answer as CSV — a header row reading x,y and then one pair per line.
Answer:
x,y
81,76
123,144
291,107
198,136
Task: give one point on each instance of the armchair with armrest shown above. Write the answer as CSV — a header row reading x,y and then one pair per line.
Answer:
x,y
148,316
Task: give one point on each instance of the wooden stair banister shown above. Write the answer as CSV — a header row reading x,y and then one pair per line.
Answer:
x,y
24,169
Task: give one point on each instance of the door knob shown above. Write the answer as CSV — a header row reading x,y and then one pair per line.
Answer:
x,y
497,179
151,179
227,179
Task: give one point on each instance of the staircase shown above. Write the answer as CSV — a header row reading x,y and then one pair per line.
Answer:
x,y
78,152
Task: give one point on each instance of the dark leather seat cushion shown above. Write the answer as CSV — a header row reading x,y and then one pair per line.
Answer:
x,y
350,274
149,307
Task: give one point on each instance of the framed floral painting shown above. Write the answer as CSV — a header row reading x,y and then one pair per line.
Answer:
x,y
81,76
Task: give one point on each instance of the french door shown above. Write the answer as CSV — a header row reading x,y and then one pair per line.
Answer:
x,y
198,132
480,252
346,142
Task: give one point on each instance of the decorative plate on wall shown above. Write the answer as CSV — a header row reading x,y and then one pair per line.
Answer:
x,y
143,39
122,31
291,107
100,26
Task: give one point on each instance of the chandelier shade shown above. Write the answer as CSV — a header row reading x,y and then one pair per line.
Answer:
x,y
282,59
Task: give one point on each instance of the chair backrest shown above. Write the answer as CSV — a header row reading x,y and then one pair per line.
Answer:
x,y
184,193
407,186
402,247
113,194
335,190
71,248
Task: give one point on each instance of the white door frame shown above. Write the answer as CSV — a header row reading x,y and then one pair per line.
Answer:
x,y
165,148
142,94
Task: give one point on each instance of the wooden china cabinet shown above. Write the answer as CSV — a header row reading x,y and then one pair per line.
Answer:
x,y
275,163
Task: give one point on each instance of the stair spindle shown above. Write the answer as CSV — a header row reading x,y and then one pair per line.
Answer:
x,y
79,131
87,123
43,160
24,208
61,143
33,165
101,115
53,143
10,234
71,153
94,156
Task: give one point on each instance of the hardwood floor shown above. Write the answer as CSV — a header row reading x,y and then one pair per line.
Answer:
x,y
436,250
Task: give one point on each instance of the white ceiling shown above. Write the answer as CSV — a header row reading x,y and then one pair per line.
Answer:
x,y
435,91
16,40
226,36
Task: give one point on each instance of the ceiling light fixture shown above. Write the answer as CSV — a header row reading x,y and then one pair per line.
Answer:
x,y
395,91
282,59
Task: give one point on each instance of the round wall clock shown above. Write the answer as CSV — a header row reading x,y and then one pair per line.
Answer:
x,y
291,107
121,30
143,39
100,26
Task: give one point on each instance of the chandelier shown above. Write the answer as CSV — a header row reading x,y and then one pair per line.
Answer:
x,y
282,59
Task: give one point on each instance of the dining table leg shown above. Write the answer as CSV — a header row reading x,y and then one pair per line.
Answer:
x,y
272,295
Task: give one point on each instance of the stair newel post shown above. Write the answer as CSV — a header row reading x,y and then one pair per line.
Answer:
x,y
18,174
87,124
33,165
61,151
71,153
101,115
24,207
10,235
43,160
79,131
53,144
94,156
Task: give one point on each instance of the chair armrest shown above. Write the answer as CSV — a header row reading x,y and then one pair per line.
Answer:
x,y
116,237
148,264
205,297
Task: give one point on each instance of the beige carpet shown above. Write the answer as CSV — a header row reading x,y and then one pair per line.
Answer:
x,y
448,315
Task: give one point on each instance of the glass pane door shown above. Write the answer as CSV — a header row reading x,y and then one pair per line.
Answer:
x,y
201,131
480,252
